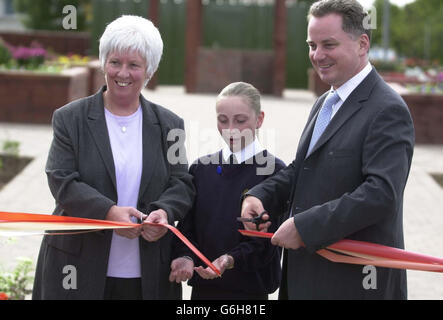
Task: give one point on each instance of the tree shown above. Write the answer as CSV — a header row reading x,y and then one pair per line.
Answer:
x,y
48,14
416,29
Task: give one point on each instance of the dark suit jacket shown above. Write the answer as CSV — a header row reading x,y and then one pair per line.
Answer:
x,y
350,186
81,176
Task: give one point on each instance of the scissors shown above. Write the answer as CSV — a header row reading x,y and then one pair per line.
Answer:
x,y
257,220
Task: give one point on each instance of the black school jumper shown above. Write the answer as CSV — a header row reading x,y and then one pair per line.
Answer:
x,y
212,226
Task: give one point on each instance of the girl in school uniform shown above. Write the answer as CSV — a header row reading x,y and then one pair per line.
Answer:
x,y
250,267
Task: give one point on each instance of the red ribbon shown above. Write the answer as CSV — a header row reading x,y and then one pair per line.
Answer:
x,y
12,221
188,244
365,253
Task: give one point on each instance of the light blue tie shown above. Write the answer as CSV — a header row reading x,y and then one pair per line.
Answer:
x,y
323,118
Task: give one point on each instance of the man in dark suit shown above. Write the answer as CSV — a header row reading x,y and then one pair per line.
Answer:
x,y
350,170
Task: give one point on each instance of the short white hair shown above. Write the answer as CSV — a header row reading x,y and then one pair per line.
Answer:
x,y
132,33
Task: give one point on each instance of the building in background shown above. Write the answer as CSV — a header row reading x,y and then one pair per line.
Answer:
x,y
8,18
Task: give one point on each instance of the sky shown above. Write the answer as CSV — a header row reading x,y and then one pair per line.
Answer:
x,y
368,3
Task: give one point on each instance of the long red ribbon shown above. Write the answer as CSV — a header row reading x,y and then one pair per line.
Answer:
x,y
12,221
353,252
365,253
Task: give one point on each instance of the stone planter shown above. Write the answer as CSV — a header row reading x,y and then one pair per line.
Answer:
x,y
96,77
427,114
30,97
62,42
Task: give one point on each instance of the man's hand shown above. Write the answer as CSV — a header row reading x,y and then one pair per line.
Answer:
x,y
252,207
287,236
182,269
124,214
153,233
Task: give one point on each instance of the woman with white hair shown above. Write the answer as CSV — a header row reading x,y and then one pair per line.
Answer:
x,y
108,160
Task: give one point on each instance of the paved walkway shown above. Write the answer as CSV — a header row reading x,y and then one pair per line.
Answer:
x,y
284,121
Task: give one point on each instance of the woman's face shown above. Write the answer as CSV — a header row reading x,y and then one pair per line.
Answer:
x,y
125,74
237,122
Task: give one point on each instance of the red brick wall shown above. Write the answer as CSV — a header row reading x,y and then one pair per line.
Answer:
x,y
62,42
427,114
32,98
96,77
216,68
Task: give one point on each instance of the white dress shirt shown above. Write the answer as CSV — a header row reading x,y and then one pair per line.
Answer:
x,y
345,90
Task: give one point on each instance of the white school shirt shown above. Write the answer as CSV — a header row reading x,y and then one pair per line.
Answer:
x,y
248,152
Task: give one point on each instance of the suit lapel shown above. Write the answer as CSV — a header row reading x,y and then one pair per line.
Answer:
x,y
352,105
97,125
152,144
309,128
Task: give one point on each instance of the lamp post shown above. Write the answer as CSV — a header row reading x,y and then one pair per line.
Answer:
x,y
386,27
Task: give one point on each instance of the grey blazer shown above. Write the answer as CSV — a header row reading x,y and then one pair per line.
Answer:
x,y
81,177
350,186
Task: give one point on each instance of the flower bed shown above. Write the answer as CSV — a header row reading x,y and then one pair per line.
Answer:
x,y
34,82
63,42
32,97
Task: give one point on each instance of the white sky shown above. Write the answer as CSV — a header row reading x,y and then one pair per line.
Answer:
x,y
368,3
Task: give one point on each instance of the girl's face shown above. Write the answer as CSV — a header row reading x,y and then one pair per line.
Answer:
x,y
237,122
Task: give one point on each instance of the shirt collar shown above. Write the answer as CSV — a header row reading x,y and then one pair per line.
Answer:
x,y
345,90
248,152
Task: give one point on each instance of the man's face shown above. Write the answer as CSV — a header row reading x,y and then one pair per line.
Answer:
x,y
336,55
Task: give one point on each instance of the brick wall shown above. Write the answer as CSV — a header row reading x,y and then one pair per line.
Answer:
x,y
61,42
28,97
216,68
96,77
427,114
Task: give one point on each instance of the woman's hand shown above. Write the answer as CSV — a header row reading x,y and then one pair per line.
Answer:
x,y
124,214
222,263
182,269
153,233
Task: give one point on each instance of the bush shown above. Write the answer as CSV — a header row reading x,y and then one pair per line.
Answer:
x,y
388,66
5,55
48,14
15,285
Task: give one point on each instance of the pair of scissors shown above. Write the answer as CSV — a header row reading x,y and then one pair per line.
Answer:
x,y
257,220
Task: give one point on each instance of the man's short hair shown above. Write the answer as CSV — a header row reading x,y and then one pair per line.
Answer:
x,y
351,11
